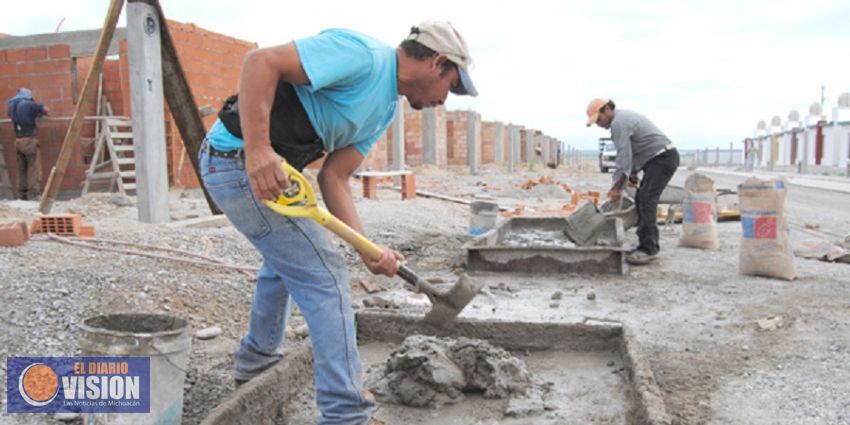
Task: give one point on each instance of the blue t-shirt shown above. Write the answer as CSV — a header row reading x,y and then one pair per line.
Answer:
x,y
352,95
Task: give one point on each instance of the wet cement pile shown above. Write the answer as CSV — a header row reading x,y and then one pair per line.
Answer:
x,y
428,371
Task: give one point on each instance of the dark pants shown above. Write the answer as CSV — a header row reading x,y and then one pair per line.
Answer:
x,y
656,174
29,167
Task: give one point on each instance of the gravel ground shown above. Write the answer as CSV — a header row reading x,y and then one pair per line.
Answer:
x,y
691,309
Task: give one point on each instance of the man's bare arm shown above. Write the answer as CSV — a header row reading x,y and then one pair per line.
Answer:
x,y
262,69
334,181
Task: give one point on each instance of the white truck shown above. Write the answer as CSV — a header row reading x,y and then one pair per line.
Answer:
x,y
607,154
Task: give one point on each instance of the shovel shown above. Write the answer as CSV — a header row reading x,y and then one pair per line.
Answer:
x,y
299,200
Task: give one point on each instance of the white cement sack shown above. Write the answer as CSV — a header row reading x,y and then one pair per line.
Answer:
x,y
699,213
765,247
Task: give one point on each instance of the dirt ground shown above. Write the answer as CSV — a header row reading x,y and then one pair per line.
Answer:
x,y
692,311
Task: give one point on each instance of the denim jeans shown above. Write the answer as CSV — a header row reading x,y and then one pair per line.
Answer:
x,y
299,264
656,174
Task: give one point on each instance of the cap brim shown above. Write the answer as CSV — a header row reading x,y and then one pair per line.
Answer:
x,y
465,87
592,119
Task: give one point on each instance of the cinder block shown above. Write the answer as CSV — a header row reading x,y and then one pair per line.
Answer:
x,y
13,234
408,186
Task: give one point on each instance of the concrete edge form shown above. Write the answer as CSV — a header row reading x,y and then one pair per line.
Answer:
x,y
259,400
649,403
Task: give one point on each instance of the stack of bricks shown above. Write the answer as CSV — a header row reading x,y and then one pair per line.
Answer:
x,y
408,186
14,234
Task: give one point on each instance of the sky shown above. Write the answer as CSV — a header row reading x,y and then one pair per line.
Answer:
x,y
705,72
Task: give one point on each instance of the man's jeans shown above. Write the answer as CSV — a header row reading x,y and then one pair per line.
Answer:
x,y
298,263
656,174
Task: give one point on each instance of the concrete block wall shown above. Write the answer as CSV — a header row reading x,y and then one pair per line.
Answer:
x,y
456,131
47,71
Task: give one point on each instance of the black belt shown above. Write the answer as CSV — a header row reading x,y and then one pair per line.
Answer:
x,y
236,153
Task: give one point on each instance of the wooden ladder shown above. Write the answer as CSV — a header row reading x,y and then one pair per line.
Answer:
x,y
116,140
6,190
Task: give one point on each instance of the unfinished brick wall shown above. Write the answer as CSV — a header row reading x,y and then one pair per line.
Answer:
x,y
456,132
212,63
412,136
47,71
488,141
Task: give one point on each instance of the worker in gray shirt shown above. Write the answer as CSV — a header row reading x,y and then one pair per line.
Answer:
x,y
641,146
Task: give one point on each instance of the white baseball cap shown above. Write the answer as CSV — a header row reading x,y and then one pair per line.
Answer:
x,y
444,39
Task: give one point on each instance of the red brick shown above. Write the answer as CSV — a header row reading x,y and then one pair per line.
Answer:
x,y
2,56
60,80
87,231
13,234
61,66
370,187
16,55
35,227
36,53
408,186
8,69
39,81
60,224
59,51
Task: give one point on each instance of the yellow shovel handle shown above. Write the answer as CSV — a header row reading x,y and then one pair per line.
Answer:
x,y
350,235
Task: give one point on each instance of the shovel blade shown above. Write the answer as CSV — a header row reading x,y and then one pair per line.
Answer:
x,y
445,306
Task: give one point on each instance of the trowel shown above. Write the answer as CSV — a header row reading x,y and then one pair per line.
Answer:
x,y
299,200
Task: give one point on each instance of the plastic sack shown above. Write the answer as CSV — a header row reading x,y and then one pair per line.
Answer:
x,y
699,218
765,247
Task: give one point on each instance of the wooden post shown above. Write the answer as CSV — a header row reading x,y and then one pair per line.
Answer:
x,y
73,134
181,102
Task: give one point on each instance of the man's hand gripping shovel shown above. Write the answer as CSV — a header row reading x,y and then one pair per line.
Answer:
x,y
299,200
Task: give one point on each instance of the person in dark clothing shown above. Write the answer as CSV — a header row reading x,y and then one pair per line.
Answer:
x,y
641,146
24,111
